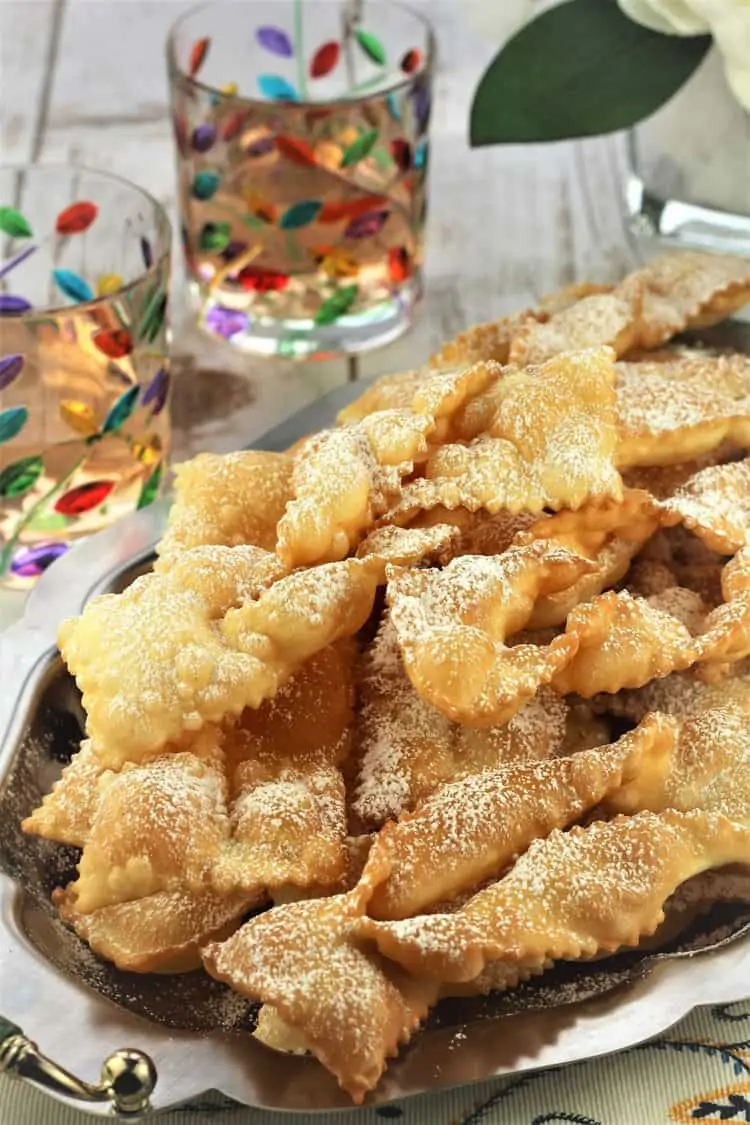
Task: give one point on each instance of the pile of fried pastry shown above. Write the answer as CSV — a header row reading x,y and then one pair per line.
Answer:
x,y
446,693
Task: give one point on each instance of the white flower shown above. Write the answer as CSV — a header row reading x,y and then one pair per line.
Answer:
x,y
727,20
670,17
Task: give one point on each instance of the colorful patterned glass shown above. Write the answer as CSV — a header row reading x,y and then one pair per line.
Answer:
x,y
301,131
84,374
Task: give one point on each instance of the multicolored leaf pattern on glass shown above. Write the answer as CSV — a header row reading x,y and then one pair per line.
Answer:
x,y
118,414
108,283
296,150
73,285
300,214
204,137
275,40
420,155
13,305
359,149
399,264
226,322
197,56
79,416
149,450
14,262
154,316
260,146
371,46
215,236
337,210
84,497
233,126
336,305
18,478
13,223
76,218
114,343
411,61
155,394
261,280
150,489
205,184
276,88
48,521
33,561
234,249
401,153
367,225
325,59
11,367
12,421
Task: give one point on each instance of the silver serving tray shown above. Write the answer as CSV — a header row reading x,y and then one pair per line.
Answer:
x,y
80,1009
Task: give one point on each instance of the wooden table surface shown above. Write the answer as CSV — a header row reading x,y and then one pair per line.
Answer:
x,y
84,81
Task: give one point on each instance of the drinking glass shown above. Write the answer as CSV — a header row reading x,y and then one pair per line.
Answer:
x,y
301,131
84,376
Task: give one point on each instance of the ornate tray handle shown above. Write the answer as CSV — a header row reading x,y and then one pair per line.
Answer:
x,y
127,1079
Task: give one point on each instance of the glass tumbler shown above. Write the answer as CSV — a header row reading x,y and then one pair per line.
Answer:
x,y
84,376
301,131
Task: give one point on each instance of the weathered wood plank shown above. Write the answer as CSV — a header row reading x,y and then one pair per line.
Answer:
x,y
29,41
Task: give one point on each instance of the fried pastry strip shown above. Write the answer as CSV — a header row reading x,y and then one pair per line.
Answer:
x,y
170,654
288,813
715,505
597,319
609,535
67,811
623,642
151,661
490,341
162,933
350,1008
527,454
681,694
470,830
346,477
575,894
674,412
407,748
158,826
389,392
227,500
707,767
688,289
725,635
342,479
407,546
452,625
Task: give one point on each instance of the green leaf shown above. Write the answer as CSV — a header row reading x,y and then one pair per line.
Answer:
x,y
12,421
336,305
13,223
149,489
359,149
18,478
580,69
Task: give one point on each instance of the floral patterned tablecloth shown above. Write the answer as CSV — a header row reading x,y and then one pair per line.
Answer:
x,y
698,1072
